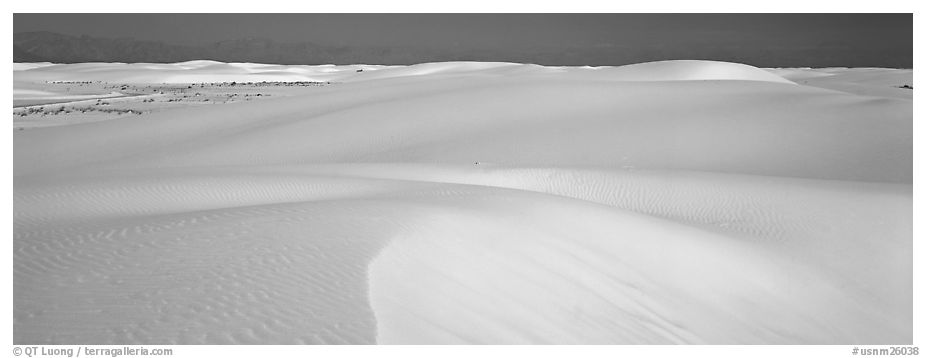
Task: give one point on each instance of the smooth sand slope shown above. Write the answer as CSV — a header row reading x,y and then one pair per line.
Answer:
x,y
666,202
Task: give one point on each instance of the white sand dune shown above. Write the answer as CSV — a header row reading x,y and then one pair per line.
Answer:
x,y
183,72
689,70
877,82
213,71
30,65
43,97
462,202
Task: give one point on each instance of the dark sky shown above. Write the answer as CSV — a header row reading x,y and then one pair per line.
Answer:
x,y
673,35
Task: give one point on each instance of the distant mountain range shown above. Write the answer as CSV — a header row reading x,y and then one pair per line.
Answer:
x,y
53,47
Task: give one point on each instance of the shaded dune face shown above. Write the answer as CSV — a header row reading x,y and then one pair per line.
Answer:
x,y
463,202
278,274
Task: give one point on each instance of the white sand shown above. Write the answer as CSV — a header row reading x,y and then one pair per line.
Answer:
x,y
668,202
